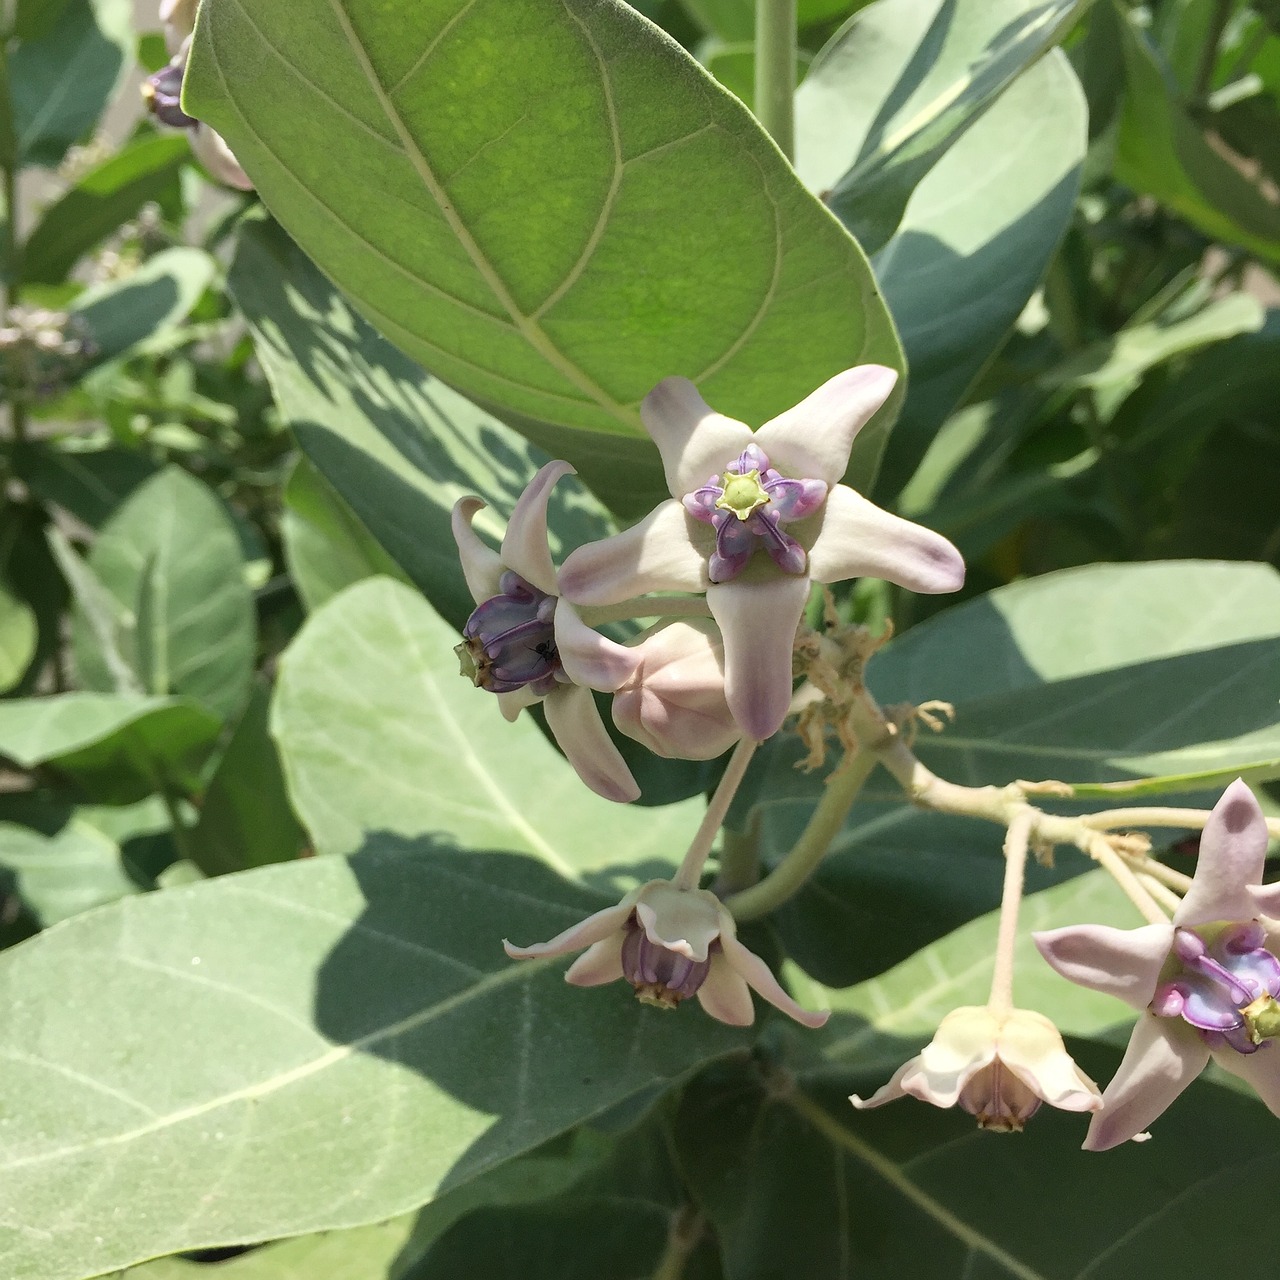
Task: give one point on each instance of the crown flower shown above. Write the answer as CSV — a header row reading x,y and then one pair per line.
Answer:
x,y
671,944
999,1065
515,644
736,493
1205,985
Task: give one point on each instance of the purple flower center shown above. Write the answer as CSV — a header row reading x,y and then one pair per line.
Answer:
x,y
162,93
509,642
747,506
661,977
1226,988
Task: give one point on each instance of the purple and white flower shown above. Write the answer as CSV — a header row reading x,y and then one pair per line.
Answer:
x,y
671,944
1205,984
735,492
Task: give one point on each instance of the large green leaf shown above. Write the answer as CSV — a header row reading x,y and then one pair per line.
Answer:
x,y
63,78
94,208
119,747
1163,152
19,634
509,222
170,560
315,1045
1111,672
378,732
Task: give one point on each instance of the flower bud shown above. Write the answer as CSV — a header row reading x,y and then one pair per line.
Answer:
x,y
674,701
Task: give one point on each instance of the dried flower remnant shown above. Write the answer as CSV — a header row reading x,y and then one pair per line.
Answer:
x,y
1205,984
735,491
1000,1066
671,944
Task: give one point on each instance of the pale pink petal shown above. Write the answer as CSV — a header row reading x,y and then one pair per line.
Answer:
x,y
574,721
481,564
212,152
524,547
1266,900
812,440
1049,1073
890,1092
658,554
860,540
1124,963
758,620
1164,1056
178,17
725,995
1233,847
601,962
695,442
748,965
1260,1071
595,928
511,704
686,921
588,657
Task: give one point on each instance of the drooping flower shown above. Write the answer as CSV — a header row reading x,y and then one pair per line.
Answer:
x,y
514,644
998,1065
668,687
735,492
670,944
1205,985
162,92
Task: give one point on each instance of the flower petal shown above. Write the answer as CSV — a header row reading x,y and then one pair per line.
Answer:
x,y
588,657
576,725
1032,1048
1233,847
859,539
686,921
513,702
211,150
758,976
1260,1071
813,439
1266,900
524,547
758,620
725,995
601,962
694,440
593,929
657,554
1124,963
890,1092
481,565
1163,1057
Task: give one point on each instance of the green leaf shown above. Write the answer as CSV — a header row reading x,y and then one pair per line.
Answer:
x,y
116,746
34,18
734,20
325,545
100,201
898,84
19,635
86,482
63,77
170,559
245,818
1107,673
371,717
1161,151
120,315
232,1053
797,1183
562,310
8,139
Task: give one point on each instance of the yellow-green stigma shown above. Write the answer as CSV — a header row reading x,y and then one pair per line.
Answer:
x,y
743,494
1262,1019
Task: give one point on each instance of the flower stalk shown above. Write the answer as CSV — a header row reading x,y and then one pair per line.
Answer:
x,y
1016,846
690,870
775,83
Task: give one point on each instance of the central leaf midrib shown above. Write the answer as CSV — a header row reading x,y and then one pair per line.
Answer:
x,y
532,332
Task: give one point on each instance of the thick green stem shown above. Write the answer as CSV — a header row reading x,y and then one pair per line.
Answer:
x,y
776,71
824,824
687,1228
739,862
691,868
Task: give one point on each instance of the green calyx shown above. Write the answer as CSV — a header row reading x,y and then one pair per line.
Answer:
x,y
742,494
1262,1019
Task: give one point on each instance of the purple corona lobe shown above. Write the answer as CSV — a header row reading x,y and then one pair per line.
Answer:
x,y
1224,988
747,506
509,640
162,93
660,976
